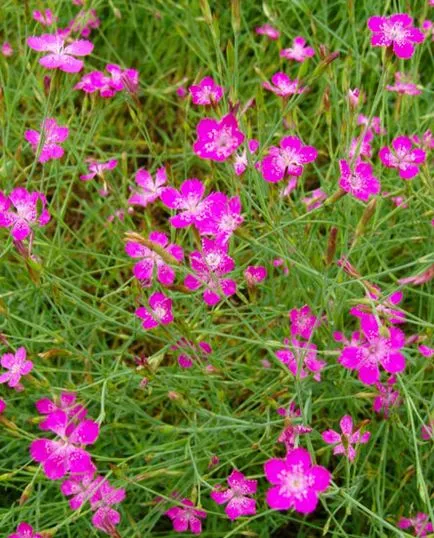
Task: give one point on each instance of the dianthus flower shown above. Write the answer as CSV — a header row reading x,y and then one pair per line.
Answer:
x,y
24,530
296,482
186,517
6,49
60,56
210,266
358,181
355,97
291,431
403,85
303,322
22,210
84,22
384,308
150,260
217,140
67,402
97,168
189,351
373,124
255,274
426,351
426,142
288,159
236,496
283,86
299,50
52,134
148,189
314,199
420,523
206,92
396,31
269,31
223,219
403,157
160,312
301,358
17,366
387,397
2,406
119,79
344,442
427,431
240,162
361,146
45,18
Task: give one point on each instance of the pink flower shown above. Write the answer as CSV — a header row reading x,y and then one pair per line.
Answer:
x,y
24,530
387,397
288,159
303,322
426,351
374,348
190,200
255,274
210,266
396,31
384,309
84,22
373,123
299,51
46,18
224,217
81,488
217,140
47,141
6,49
181,92
17,366
291,431
314,199
427,141
403,85
361,146
65,455
240,162
420,523
422,278
301,359
151,260
2,406
427,431
355,97
187,517
149,189
60,56
206,92
269,31
403,157
97,168
344,442
66,403
236,496
119,79
190,351
283,86
359,182
22,210
296,482
160,312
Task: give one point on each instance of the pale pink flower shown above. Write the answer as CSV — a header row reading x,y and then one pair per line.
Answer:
x,y
427,430
149,189
45,18
47,141
189,352
241,162
186,517
387,397
420,279
223,217
24,530
236,496
206,92
361,146
17,366
301,358
420,523
60,56
283,86
426,142
373,124
303,322
97,168
151,261
299,50
6,49
160,312
288,159
108,85
269,31
396,31
403,157
355,97
255,274
21,211
64,455
217,140
296,482
314,199
84,22
404,85
344,442
358,181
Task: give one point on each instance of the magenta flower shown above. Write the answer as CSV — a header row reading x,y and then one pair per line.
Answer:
x,y
151,260
288,159
403,157
291,431
373,349
387,397
81,488
426,142
190,200
217,140
426,351
45,18
361,146
301,359
206,92
396,31
84,22
240,162
299,51
427,430
17,366
255,274
65,455
344,442
187,517
269,31
404,85
296,482
283,86
160,312
210,266
373,123
22,210
303,322
66,403
2,406
224,217
6,49
97,168
24,530
314,199
385,308
149,189
420,523
60,56
118,79
358,181
47,141
236,496
189,351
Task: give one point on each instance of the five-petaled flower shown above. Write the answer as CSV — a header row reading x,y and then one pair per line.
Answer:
x,y
21,210
299,50
420,523
24,530
396,31
160,312
17,366
303,322
283,86
301,358
236,496
404,85
97,168
206,92
358,180
217,140
47,141
60,56
344,442
186,517
149,190
269,31
403,157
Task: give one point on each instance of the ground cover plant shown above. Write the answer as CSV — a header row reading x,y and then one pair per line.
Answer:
x,y
216,267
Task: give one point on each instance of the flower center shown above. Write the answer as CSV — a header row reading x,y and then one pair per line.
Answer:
x,y
294,483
